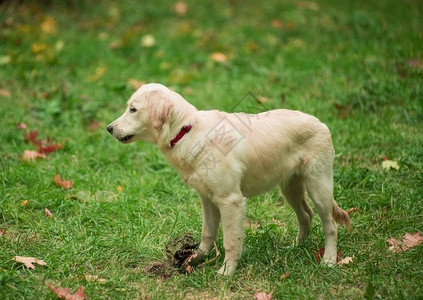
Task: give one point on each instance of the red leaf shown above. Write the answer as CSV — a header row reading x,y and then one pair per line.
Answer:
x,y
318,255
31,137
94,126
67,184
64,293
50,148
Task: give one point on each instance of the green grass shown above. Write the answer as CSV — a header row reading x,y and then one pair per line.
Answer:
x,y
356,65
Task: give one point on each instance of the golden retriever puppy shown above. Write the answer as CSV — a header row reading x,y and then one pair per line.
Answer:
x,y
227,158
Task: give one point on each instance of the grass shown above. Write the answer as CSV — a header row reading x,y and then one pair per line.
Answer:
x,y
356,65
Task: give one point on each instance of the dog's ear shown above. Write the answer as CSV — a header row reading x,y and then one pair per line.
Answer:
x,y
160,108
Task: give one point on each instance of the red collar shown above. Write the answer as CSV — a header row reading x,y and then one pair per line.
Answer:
x,y
185,129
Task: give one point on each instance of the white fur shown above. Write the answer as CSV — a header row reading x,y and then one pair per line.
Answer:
x,y
228,157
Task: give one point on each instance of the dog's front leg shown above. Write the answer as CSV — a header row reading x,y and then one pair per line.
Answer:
x,y
211,219
232,211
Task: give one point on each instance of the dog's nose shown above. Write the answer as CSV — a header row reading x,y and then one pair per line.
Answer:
x,y
110,129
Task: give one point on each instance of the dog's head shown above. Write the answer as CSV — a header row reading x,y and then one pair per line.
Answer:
x,y
147,111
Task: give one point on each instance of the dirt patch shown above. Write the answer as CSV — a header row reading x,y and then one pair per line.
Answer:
x,y
180,251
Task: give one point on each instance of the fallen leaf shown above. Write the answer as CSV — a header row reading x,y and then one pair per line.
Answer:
x,y
409,240
5,59
31,137
390,164
95,278
263,296
353,209
22,126
32,155
99,72
261,99
29,261
180,8
276,24
48,25
319,254
219,57
2,232
37,48
24,203
119,188
284,276
345,261
136,84
5,93
48,213
148,41
308,5
49,148
67,184
64,293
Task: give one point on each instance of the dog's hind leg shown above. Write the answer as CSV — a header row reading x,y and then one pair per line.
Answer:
x,y
294,193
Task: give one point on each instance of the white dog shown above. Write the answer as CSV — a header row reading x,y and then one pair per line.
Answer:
x,y
228,157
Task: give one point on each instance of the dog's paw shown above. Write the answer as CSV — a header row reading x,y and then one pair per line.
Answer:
x,y
227,269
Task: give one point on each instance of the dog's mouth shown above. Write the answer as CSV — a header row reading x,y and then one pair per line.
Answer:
x,y
126,139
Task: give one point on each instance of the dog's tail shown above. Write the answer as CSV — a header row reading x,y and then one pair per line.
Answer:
x,y
340,216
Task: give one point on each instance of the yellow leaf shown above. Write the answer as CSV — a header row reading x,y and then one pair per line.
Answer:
x,y
390,164
136,84
25,202
119,188
5,59
219,57
98,74
148,40
37,48
49,25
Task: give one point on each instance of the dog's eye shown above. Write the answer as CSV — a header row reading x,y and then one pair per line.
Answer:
x,y
132,109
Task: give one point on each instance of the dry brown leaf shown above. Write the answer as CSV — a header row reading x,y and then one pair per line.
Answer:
x,y
29,155
63,293
24,203
180,8
67,184
262,99
345,261
5,93
136,84
48,213
219,57
48,25
284,276
29,261
95,278
263,296
409,241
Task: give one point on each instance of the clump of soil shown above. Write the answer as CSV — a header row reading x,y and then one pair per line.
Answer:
x,y
181,250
